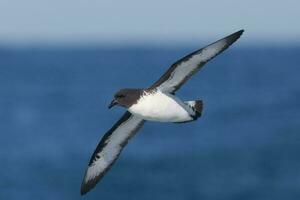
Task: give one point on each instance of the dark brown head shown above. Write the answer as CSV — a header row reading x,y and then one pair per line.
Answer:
x,y
126,97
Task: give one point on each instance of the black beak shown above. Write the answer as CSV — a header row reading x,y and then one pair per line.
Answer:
x,y
112,103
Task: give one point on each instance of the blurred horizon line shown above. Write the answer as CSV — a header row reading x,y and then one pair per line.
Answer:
x,y
146,43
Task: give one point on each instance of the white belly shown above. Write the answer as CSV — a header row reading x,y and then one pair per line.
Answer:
x,y
161,107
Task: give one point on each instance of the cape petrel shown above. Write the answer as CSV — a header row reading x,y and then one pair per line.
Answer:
x,y
156,103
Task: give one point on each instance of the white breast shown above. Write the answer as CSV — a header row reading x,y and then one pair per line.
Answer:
x,y
158,106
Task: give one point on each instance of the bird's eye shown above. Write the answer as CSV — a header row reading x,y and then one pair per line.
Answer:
x,y
120,95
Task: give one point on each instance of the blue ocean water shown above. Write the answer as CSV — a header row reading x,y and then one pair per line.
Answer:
x,y
53,112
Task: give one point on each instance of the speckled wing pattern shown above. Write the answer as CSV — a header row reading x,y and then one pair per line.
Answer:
x,y
184,68
109,149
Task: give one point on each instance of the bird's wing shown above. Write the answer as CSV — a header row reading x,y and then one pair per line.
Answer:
x,y
109,149
184,68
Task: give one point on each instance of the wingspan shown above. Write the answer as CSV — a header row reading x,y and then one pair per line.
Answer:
x,y
109,149
112,143
184,68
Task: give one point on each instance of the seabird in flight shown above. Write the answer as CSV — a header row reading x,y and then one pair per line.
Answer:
x,y
156,103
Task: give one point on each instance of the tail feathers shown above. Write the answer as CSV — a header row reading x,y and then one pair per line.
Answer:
x,y
197,107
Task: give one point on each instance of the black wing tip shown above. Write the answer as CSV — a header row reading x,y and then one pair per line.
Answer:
x,y
234,36
230,39
83,191
240,31
86,187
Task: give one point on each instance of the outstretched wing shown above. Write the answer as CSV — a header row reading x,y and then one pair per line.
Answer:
x,y
184,68
109,149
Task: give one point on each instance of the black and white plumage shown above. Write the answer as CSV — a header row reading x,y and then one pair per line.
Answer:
x,y
184,68
109,149
156,103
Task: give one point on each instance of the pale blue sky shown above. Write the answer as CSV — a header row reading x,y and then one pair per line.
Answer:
x,y
138,21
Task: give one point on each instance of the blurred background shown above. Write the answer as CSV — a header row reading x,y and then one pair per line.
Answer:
x,y
61,61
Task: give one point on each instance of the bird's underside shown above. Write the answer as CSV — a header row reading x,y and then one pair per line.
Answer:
x,y
164,107
159,104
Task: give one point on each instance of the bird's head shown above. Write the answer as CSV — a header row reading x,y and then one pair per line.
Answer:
x,y
125,97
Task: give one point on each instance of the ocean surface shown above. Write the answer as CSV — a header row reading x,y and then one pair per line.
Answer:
x,y
53,112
